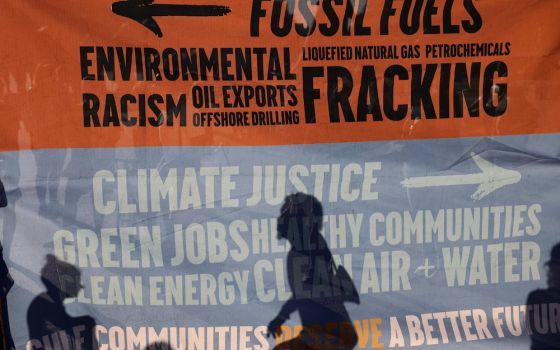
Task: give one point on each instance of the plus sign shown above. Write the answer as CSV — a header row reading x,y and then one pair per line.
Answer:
x,y
426,268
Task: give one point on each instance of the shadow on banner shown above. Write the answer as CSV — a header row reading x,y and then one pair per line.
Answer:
x,y
6,283
543,308
319,288
159,346
50,326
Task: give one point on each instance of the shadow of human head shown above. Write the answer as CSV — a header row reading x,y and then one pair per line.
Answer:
x,y
63,280
300,220
543,311
553,267
159,346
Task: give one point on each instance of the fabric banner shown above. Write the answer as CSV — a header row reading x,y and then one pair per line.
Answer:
x,y
280,174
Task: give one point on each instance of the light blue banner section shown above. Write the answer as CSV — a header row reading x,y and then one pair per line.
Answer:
x,y
186,236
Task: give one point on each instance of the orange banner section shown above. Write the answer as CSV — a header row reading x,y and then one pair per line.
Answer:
x,y
125,73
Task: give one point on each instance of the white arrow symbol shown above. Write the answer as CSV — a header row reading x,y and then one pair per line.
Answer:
x,y
490,179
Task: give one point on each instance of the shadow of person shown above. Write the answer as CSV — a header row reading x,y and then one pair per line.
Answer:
x,y
6,283
159,346
319,288
543,308
50,326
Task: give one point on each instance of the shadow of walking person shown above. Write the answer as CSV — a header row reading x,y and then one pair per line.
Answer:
x,y
319,288
50,326
543,308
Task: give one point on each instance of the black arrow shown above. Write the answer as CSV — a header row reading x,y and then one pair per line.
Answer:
x,y
143,11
